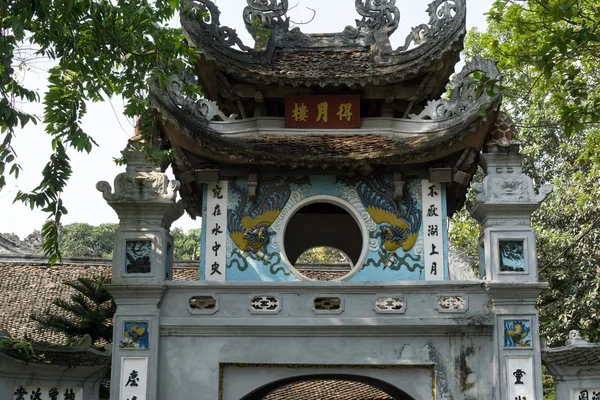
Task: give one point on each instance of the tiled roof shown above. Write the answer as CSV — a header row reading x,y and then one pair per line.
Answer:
x,y
328,390
26,288
573,355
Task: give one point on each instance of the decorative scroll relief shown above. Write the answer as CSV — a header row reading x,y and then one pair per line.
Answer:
x,y
222,36
586,394
452,303
433,238
46,393
520,378
509,187
134,378
575,339
203,303
328,303
202,109
351,194
463,93
392,304
216,235
441,13
378,15
265,304
262,16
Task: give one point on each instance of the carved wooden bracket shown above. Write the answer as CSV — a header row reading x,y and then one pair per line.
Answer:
x,y
398,185
252,183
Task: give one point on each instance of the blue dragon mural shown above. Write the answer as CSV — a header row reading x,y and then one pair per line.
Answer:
x,y
249,221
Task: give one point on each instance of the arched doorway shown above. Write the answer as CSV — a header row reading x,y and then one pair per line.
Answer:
x,y
328,387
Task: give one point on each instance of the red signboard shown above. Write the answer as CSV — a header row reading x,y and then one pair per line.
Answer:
x,y
323,111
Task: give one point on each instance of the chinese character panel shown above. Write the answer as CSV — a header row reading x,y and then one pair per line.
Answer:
x,y
134,376
586,394
21,392
322,112
215,232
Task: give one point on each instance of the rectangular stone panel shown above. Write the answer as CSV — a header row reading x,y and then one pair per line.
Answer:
x,y
134,377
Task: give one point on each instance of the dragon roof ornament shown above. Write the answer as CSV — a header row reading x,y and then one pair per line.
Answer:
x,y
378,15
463,92
267,20
262,16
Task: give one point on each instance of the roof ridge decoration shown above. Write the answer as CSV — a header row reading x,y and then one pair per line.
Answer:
x,y
463,92
378,15
440,13
267,22
462,99
261,16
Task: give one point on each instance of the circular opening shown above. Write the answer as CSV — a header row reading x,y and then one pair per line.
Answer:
x,y
323,239
323,263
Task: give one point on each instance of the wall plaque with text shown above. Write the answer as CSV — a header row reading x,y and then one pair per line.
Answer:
x,y
323,111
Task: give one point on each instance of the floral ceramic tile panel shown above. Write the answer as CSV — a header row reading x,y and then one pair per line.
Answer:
x,y
512,256
138,255
135,335
517,333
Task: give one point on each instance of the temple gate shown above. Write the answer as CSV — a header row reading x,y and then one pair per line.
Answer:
x,y
332,140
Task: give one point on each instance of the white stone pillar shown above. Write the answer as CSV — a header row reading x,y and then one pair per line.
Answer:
x,y
145,200
508,260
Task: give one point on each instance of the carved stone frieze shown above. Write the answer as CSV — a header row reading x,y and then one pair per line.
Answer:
x,y
463,94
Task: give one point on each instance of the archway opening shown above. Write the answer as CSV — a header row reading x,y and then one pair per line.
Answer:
x,y
323,263
328,387
323,241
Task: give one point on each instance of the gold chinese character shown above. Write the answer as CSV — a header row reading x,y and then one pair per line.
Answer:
x,y
322,108
300,112
345,111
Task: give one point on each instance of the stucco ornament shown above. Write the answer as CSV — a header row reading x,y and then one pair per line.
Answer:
x,y
143,194
140,182
509,185
378,15
463,92
575,339
441,13
208,15
265,15
202,109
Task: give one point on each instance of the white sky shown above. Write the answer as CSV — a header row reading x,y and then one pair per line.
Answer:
x,y
106,124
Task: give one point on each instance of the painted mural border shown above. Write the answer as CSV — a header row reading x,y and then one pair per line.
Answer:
x,y
430,367
336,201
